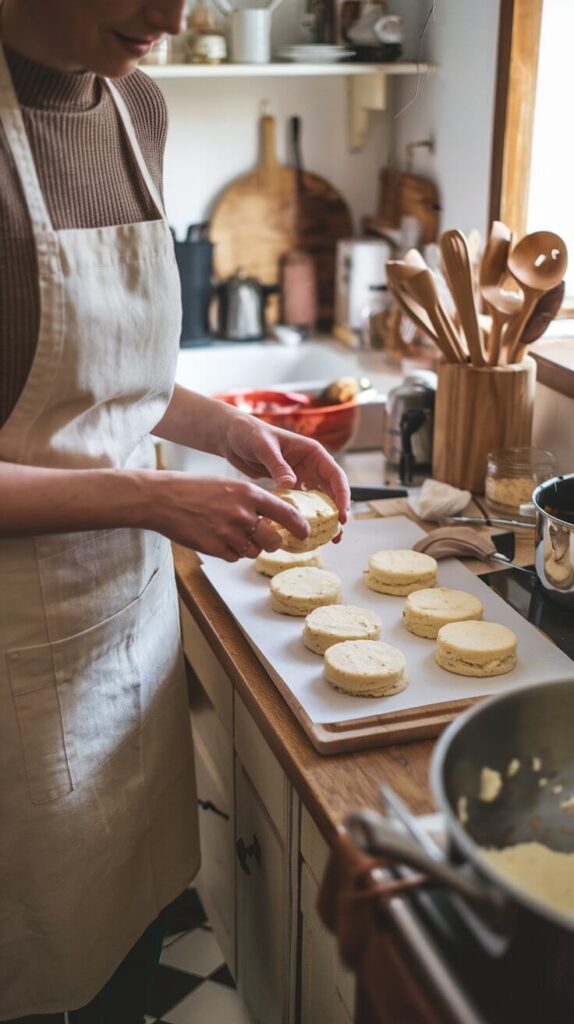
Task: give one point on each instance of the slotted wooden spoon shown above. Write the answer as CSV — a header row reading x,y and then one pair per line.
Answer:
x,y
538,263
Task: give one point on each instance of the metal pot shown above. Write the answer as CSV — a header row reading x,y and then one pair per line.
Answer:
x,y
554,559
408,429
241,308
533,943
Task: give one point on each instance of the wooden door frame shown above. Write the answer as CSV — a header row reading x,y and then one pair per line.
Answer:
x,y
517,72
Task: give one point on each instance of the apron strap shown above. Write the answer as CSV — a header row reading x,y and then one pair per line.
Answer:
x,y
135,146
15,131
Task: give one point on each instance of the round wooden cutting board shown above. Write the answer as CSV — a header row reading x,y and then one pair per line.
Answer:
x,y
273,210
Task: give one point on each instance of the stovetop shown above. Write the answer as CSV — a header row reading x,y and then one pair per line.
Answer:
x,y
525,594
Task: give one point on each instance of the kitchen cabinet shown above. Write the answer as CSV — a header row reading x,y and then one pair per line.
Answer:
x,y
248,816
327,988
262,907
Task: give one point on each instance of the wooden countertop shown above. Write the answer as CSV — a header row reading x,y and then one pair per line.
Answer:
x,y
330,786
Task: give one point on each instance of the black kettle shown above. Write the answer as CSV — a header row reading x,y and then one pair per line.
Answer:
x,y
195,264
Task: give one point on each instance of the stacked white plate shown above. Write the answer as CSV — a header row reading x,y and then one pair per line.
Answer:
x,y
315,53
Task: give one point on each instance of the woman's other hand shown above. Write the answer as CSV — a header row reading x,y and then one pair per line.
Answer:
x,y
291,460
225,518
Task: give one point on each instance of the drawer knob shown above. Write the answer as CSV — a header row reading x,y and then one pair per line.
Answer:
x,y
244,852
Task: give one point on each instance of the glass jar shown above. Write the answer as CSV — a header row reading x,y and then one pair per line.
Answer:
x,y
512,474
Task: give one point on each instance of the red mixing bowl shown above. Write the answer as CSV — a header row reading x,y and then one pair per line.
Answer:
x,y
332,425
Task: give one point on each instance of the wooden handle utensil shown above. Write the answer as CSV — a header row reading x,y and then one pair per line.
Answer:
x,y
457,270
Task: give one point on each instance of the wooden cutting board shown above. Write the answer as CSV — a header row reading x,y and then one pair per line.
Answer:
x,y
273,210
406,195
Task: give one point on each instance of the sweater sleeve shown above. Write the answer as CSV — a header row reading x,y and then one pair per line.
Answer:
x,y
148,111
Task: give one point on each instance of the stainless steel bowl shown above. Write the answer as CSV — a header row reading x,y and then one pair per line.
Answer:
x,y
554,552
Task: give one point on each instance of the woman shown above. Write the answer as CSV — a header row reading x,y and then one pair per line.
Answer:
x,y
97,801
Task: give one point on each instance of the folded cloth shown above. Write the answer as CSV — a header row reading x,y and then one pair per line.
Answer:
x,y
437,501
461,541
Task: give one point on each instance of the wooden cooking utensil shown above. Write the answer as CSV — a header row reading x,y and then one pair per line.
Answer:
x,y
538,263
504,307
458,273
273,210
412,309
545,312
422,288
493,265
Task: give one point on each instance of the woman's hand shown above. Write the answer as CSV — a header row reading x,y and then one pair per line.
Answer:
x,y
225,518
291,460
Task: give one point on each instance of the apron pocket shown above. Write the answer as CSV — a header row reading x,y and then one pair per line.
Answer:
x,y
78,700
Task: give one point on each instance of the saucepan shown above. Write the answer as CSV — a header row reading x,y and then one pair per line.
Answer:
x,y
554,560
531,728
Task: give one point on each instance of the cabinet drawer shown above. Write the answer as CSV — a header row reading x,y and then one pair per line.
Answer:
x,y
263,768
204,663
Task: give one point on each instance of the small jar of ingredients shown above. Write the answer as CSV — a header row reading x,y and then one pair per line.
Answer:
x,y
512,474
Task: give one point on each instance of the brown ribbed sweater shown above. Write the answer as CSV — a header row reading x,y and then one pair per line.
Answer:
x,y
89,179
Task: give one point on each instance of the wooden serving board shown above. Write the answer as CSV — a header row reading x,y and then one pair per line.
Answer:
x,y
274,210
334,721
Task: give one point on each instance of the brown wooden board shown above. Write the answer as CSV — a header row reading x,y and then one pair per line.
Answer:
x,y
273,210
404,195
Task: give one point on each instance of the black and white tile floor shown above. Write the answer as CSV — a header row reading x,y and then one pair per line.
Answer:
x,y
193,984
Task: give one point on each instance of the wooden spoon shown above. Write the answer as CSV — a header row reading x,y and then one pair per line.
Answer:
x,y
493,267
504,307
544,313
410,308
422,288
538,263
458,273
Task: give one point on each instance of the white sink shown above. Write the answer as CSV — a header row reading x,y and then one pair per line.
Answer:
x,y
225,366
228,365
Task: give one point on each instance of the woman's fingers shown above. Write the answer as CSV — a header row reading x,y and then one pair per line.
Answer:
x,y
281,512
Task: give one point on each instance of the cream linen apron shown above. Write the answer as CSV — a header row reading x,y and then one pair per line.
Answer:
x,y
98,824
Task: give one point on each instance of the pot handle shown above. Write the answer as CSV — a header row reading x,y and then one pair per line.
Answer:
x,y
486,910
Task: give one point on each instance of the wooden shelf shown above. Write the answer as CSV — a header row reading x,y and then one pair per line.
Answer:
x,y
366,83
287,69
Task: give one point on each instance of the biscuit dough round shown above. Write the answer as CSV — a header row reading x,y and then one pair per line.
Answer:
x,y
400,572
335,623
298,591
320,512
426,611
365,668
476,648
269,563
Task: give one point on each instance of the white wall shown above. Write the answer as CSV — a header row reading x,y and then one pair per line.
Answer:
x,y
213,133
456,104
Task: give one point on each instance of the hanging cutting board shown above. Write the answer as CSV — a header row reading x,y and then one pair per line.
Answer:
x,y
273,210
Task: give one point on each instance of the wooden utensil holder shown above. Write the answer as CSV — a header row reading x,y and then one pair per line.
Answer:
x,y
477,410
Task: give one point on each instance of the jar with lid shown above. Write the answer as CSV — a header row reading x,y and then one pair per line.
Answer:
x,y
205,41
512,474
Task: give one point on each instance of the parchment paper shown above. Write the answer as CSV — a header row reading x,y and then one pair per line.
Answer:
x,y
277,639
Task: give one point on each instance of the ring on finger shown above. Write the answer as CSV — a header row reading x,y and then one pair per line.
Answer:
x,y
252,529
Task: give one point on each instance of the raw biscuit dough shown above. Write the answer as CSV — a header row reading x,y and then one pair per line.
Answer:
x,y
365,668
298,591
400,572
320,512
335,623
269,563
476,648
426,611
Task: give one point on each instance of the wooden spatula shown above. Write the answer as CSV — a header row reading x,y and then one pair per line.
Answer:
x,y
457,270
